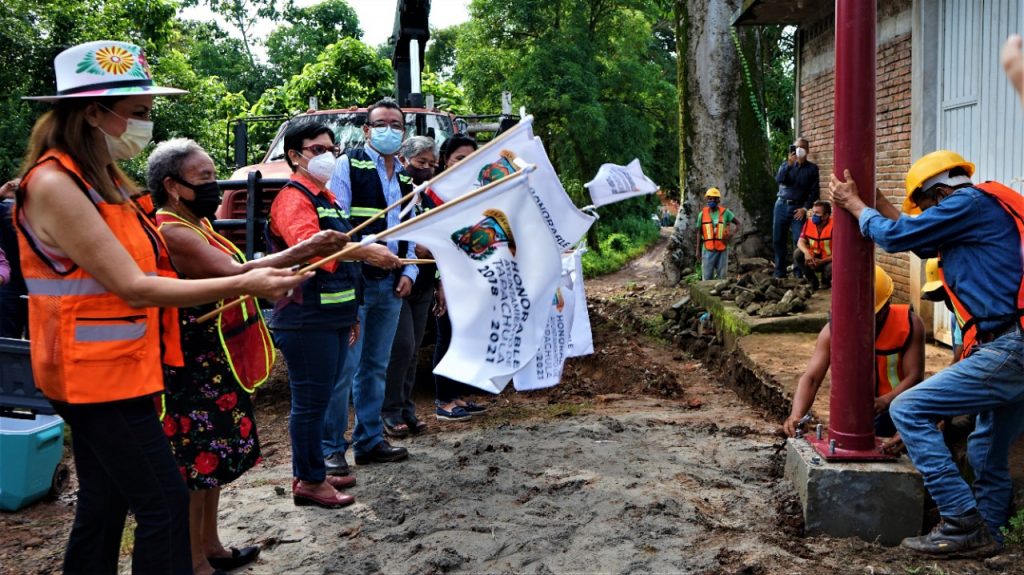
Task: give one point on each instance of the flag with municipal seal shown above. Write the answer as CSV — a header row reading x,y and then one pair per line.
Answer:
x,y
567,333
500,268
502,156
614,183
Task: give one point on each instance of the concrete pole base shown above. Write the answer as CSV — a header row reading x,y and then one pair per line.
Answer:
x,y
881,502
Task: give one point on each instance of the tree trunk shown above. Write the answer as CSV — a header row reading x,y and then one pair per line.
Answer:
x,y
721,142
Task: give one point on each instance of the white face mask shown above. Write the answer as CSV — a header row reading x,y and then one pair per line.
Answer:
x,y
137,135
321,167
801,153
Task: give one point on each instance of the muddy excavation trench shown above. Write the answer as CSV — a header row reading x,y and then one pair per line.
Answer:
x,y
649,457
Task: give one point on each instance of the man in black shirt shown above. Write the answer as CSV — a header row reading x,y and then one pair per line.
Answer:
x,y
798,190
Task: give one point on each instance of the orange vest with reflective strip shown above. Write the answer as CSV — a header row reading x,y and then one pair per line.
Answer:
x,y
87,344
242,331
819,242
890,346
713,234
1013,204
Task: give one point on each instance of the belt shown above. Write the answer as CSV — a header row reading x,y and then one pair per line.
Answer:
x,y
994,334
790,202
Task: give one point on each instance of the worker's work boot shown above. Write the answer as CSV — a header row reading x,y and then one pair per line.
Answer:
x,y
963,536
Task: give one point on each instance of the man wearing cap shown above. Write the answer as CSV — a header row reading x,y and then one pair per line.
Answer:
x,y
899,359
715,226
798,190
813,253
978,231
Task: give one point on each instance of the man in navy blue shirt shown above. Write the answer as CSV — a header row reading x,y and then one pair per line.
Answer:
x,y
978,234
798,190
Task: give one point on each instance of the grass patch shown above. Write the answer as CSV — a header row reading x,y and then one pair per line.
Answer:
x,y
626,239
128,537
1014,531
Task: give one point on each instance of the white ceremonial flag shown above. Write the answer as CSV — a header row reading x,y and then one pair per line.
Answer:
x,y
500,268
581,339
545,369
504,155
615,183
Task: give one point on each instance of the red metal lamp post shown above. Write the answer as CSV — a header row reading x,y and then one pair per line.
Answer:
x,y
851,405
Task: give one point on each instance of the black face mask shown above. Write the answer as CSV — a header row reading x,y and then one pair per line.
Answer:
x,y
419,175
207,198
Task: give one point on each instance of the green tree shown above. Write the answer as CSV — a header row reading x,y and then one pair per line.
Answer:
x,y
595,75
307,33
243,15
213,52
441,50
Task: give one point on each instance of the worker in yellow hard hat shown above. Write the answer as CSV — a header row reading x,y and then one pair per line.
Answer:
x,y
935,292
716,225
899,360
979,231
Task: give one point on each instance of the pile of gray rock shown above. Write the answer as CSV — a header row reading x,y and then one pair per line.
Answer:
x,y
756,292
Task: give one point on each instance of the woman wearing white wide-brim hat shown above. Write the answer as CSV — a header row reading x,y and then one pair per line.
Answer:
x,y
96,272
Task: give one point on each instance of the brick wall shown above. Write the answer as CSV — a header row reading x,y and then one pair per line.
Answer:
x,y
892,130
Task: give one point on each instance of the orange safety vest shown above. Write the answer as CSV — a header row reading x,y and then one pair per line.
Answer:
x,y
890,345
713,234
88,345
1013,203
242,330
819,242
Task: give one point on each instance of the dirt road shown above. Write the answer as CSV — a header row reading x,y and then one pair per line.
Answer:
x,y
639,462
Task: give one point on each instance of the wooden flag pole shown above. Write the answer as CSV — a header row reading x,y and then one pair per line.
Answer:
x,y
380,214
382,235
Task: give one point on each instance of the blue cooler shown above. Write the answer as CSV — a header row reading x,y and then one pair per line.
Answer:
x,y
31,435
30,450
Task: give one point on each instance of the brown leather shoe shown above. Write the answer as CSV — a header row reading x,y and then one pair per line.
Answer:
x,y
302,497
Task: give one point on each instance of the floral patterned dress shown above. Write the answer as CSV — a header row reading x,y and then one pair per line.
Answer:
x,y
208,417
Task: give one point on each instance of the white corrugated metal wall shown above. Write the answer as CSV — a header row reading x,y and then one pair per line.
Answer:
x,y
979,113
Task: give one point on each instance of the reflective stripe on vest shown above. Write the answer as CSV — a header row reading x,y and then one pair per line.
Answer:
x,y
322,212
126,332
345,296
361,212
891,344
820,242
362,164
713,233
1013,204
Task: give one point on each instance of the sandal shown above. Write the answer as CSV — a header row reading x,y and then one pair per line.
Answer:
x,y
396,429
301,497
416,426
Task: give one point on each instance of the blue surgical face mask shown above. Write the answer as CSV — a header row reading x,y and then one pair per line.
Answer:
x,y
386,140
816,219
712,204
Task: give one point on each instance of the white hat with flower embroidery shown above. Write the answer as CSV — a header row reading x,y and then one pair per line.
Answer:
x,y
101,69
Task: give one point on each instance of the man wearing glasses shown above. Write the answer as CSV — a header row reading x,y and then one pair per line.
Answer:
x,y
365,181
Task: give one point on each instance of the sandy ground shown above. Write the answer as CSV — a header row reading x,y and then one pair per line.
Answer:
x,y
639,462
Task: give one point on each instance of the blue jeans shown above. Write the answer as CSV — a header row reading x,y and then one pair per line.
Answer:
x,y
315,363
713,264
989,382
365,372
782,222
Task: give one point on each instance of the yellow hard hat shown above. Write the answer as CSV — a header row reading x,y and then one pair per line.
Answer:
x,y
932,280
713,193
927,166
883,287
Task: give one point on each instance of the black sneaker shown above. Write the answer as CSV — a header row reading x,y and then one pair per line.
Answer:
x,y
962,536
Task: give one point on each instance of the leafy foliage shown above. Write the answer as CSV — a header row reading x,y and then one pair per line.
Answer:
x,y
309,30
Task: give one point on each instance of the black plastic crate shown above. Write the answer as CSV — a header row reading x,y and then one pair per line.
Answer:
x,y
18,392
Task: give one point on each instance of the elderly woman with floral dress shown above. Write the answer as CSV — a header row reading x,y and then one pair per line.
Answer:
x,y
208,415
